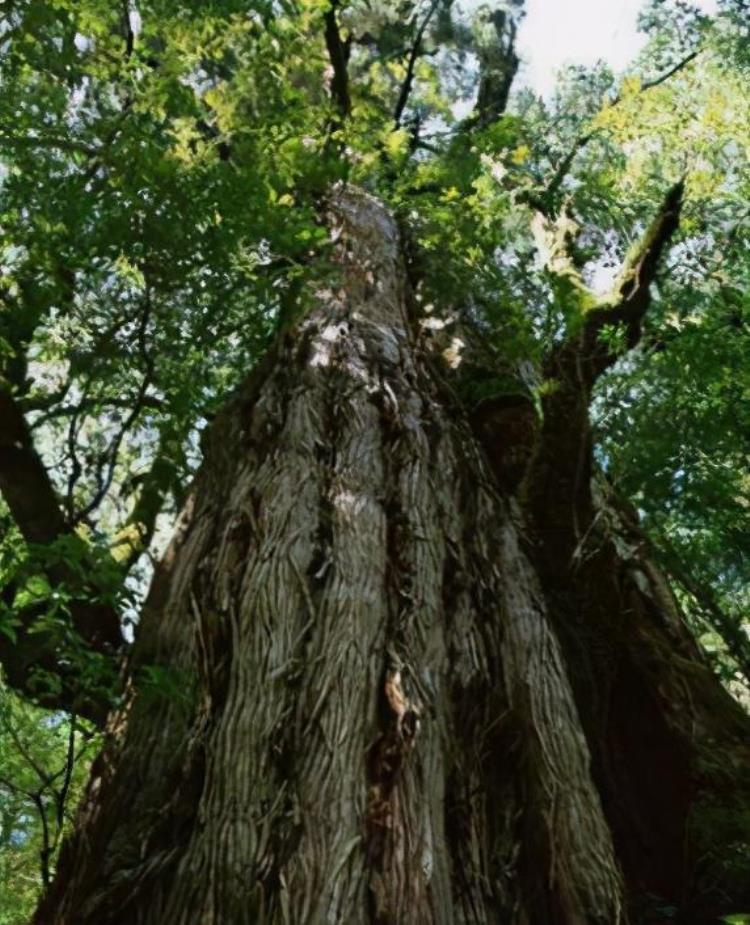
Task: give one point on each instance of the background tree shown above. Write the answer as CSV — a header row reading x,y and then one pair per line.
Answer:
x,y
410,655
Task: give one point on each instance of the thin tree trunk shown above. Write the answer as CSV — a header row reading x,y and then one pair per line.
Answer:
x,y
364,712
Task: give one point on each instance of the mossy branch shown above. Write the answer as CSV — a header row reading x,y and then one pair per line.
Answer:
x,y
632,293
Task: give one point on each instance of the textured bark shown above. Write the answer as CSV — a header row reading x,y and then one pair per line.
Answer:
x,y
375,720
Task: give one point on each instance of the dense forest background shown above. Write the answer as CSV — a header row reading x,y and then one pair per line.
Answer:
x,y
161,173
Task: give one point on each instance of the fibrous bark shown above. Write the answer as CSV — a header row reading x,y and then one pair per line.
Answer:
x,y
373,718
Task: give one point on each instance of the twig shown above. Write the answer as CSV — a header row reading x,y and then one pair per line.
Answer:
x,y
109,459
148,401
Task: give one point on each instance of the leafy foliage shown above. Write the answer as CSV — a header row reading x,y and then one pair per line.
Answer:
x,y
43,765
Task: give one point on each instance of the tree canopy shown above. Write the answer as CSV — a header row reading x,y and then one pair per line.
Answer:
x,y
162,168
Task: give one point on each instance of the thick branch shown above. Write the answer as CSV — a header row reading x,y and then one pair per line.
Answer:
x,y
24,482
498,64
28,492
338,52
633,289
581,358
560,475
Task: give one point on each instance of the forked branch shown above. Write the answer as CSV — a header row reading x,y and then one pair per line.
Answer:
x,y
578,361
633,287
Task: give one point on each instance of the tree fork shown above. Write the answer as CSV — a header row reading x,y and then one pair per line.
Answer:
x,y
378,722
656,718
342,547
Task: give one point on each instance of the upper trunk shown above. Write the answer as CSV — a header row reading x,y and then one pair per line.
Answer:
x,y
375,720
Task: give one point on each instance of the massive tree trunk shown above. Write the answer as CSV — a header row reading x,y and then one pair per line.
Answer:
x,y
396,692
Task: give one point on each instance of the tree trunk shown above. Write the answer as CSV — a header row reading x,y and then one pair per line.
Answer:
x,y
367,687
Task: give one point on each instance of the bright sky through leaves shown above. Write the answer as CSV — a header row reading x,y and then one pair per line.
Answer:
x,y
557,32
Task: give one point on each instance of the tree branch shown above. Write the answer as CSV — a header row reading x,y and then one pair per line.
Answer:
x,y
406,86
84,406
24,481
650,84
45,852
71,145
731,632
61,795
27,756
153,487
577,362
338,53
544,200
29,494
108,462
498,65
632,289
127,28
558,481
